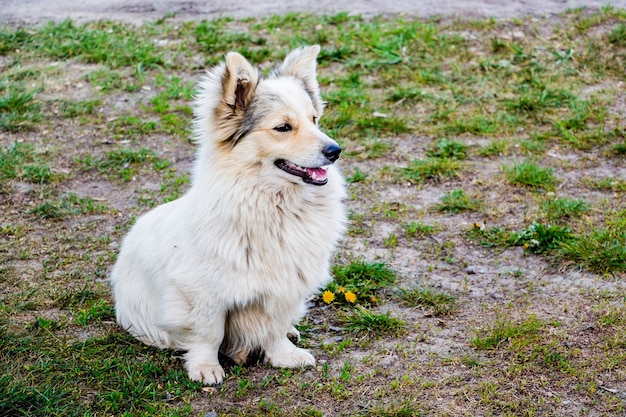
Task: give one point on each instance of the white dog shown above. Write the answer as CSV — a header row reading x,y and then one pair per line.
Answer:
x,y
228,266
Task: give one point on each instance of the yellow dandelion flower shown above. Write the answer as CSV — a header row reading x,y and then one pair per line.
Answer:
x,y
373,299
350,296
526,245
341,289
328,296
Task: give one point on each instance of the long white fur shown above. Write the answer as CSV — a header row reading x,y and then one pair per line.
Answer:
x,y
230,264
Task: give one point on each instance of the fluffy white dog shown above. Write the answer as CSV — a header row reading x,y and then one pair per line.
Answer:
x,y
228,266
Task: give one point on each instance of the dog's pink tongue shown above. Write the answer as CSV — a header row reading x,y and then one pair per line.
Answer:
x,y
316,173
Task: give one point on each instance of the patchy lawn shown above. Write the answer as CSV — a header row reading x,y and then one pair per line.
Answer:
x,y
484,269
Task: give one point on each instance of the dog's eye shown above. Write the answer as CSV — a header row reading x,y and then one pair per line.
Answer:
x,y
283,128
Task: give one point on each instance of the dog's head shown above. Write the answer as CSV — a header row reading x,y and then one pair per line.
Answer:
x,y
267,125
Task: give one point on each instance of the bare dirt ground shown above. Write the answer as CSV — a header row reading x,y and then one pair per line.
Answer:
x,y
41,11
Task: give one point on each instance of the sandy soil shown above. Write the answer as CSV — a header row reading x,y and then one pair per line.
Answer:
x,y
137,11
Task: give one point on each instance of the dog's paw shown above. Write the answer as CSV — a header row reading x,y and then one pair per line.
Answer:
x,y
209,374
286,355
293,334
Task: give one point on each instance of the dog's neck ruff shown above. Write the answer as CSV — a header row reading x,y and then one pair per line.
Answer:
x,y
314,176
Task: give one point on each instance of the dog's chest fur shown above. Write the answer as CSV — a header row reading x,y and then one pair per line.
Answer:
x,y
268,238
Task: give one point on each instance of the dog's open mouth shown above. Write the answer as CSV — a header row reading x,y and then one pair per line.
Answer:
x,y
315,176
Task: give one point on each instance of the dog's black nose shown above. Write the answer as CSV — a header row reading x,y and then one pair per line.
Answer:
x,y
332,152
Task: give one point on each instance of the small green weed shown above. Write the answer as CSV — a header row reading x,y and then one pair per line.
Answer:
x,y
21,161
539,238
618,35
105,79
456,201
614,184
19,108
78,108
535,99
600,250
490,237
359,282
436,169
619,149
495,148
100,310
531,175
418,230
406,409
67,205
357,176
438,302
122,163
361,320
561,208
505,330
445,148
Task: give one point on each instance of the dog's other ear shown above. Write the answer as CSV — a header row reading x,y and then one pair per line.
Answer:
x,y
239,82
301,64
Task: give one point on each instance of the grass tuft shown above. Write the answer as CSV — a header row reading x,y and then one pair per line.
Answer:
x,y
361,320
21,161
562,208
359,282
445,148
600,250
19,108
539,238
505,330
457,201
123,163
435,169
529,174
438,302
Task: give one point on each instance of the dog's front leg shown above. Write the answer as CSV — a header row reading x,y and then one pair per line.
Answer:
x,y
201,359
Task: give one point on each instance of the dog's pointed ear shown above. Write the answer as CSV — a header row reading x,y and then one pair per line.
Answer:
x,y
301,64
239,82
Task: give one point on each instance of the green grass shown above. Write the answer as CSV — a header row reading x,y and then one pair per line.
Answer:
x,y
19,107
495,148
434,169
78,108
563,208
361,320
123,163
457,201
439,303
445,148
108,43
418,230
357,176
506,331
600,250
110,374
67,205
365,280
22,161
539,238
530,174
